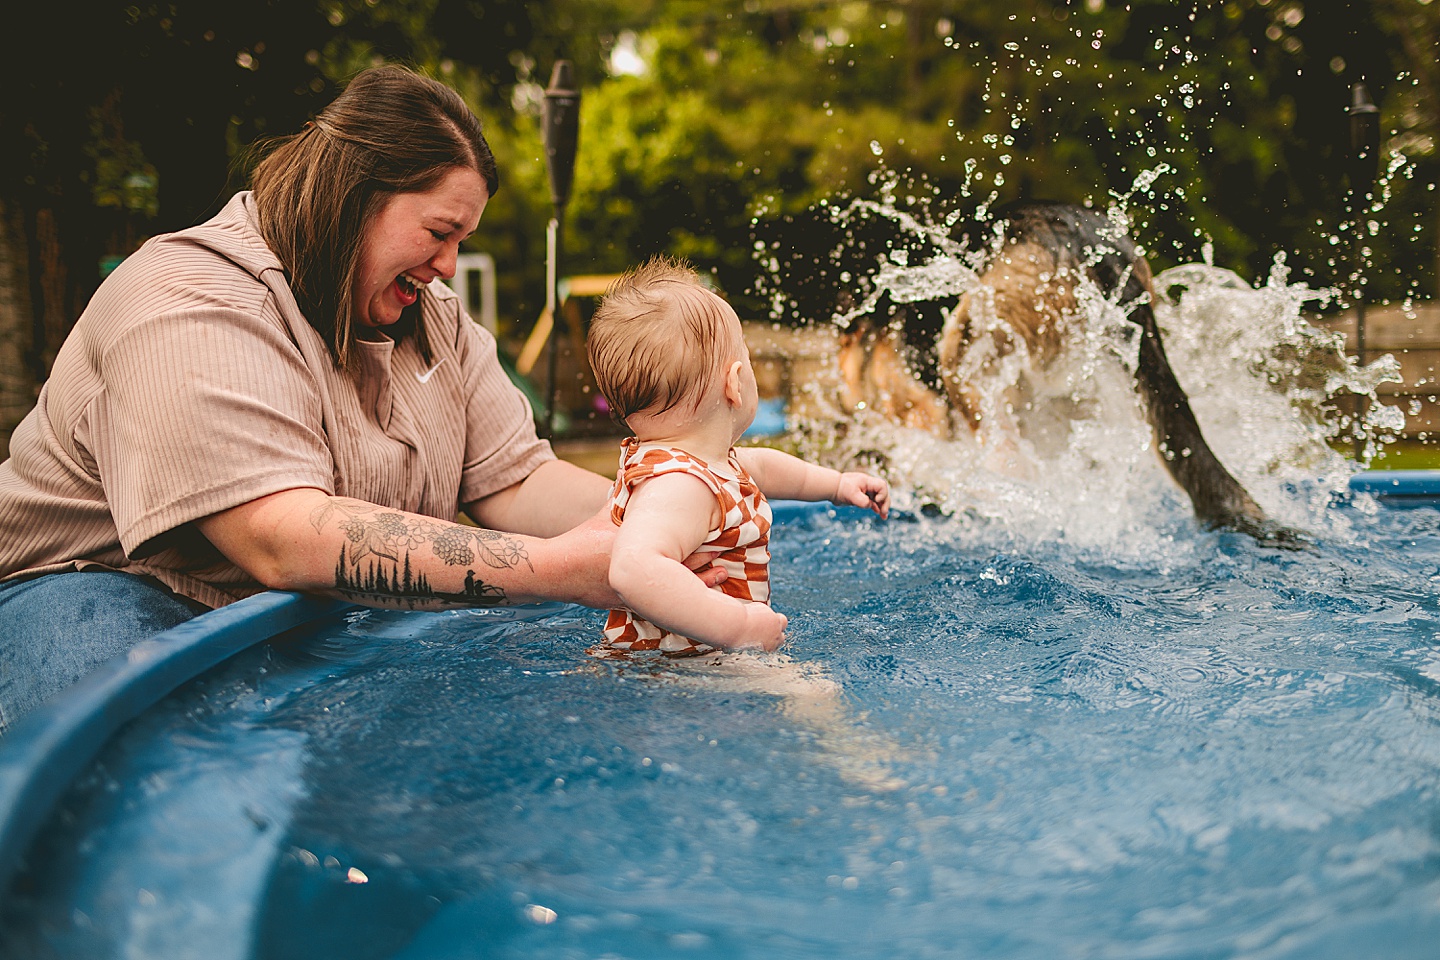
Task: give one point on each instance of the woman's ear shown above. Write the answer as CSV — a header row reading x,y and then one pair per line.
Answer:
x,y
733,387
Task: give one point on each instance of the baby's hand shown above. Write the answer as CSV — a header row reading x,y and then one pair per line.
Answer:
x,y
764,629
863,490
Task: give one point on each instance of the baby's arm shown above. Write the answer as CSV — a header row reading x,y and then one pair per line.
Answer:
x,y
666,519
789,478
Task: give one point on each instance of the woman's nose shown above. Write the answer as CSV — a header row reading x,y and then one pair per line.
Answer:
x,y
443,262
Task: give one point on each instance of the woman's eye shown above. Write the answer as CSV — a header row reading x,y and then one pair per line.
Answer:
x,y
438,235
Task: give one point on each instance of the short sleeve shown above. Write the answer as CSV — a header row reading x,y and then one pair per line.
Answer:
x,y
501,445
203,409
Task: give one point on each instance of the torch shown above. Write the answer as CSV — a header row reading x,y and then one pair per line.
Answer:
x,y
562,137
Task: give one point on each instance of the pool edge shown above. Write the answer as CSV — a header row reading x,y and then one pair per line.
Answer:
x,y
1412,486
46,749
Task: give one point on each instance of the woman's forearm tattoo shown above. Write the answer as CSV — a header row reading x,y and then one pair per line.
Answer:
x,y
374,561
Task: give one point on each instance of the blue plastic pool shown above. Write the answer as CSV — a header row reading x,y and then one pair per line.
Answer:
x,y
972,749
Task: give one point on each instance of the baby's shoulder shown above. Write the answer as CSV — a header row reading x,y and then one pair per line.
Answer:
x,y
646,461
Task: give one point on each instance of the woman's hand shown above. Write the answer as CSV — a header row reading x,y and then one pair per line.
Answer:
x,y
589,547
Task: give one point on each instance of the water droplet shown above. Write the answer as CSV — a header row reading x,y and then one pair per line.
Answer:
x,y
535,913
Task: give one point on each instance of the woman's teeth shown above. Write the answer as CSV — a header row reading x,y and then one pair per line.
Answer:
x,y
409,284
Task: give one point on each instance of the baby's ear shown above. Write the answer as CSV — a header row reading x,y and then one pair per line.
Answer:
x,y
734,393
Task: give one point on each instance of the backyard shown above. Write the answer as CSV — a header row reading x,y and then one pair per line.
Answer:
x,y
1132,304
730,133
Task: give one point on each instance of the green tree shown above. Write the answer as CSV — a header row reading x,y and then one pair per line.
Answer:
x,y
135,118
712,127
766,109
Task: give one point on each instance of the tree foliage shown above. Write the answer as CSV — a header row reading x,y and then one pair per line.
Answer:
x,y
725,130
776,107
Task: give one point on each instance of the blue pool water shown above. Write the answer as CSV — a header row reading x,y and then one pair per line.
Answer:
x,y
976,746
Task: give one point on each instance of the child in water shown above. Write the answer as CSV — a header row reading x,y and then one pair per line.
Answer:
x,y
670,359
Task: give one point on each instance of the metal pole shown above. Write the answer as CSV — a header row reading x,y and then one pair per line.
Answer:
x,y
1364,163
552,308
562,135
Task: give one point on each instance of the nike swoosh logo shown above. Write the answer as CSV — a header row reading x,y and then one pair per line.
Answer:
x,y
425,377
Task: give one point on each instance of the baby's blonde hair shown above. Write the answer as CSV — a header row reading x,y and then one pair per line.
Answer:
x,y
657,339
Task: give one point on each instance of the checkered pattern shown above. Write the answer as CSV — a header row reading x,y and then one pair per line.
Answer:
x,y
740,545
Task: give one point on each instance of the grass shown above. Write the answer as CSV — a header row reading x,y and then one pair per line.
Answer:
x,y
1408,455
1400,455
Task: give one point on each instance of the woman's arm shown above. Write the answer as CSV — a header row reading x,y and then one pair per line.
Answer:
x,y
304,539
781,476
556,497
666,519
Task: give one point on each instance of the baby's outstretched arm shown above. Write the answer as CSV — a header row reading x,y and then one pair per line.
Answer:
x,y
789,478
666,519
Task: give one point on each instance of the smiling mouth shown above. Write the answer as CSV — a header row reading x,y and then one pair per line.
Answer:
x,y
409,286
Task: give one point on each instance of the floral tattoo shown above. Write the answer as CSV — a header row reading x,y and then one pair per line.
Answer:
x,y
375,561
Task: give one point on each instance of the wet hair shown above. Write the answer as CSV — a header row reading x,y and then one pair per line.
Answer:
x,y
392,131
657,339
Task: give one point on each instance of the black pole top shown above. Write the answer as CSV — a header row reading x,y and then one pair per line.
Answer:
x,y
562,132
1364,140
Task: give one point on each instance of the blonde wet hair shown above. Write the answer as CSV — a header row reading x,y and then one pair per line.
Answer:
x,y
659,338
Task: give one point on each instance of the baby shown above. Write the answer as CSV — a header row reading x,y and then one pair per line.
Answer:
x,y
670,358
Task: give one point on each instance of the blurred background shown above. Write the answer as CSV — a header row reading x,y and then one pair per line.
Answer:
x,y
726,131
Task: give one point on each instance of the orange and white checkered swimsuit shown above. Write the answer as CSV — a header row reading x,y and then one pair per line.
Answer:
x,y
740,544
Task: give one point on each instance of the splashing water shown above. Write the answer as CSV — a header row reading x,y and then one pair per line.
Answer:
x,y
1259,372
1262,375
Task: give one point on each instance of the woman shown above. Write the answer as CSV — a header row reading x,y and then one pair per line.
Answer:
x,y
286,397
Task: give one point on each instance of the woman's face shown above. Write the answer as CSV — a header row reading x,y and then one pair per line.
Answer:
x,y
413,240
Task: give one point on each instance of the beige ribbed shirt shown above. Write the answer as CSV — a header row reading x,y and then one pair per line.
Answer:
x,y
192,384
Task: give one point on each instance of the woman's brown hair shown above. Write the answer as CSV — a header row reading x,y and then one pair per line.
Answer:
x,y
391,131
